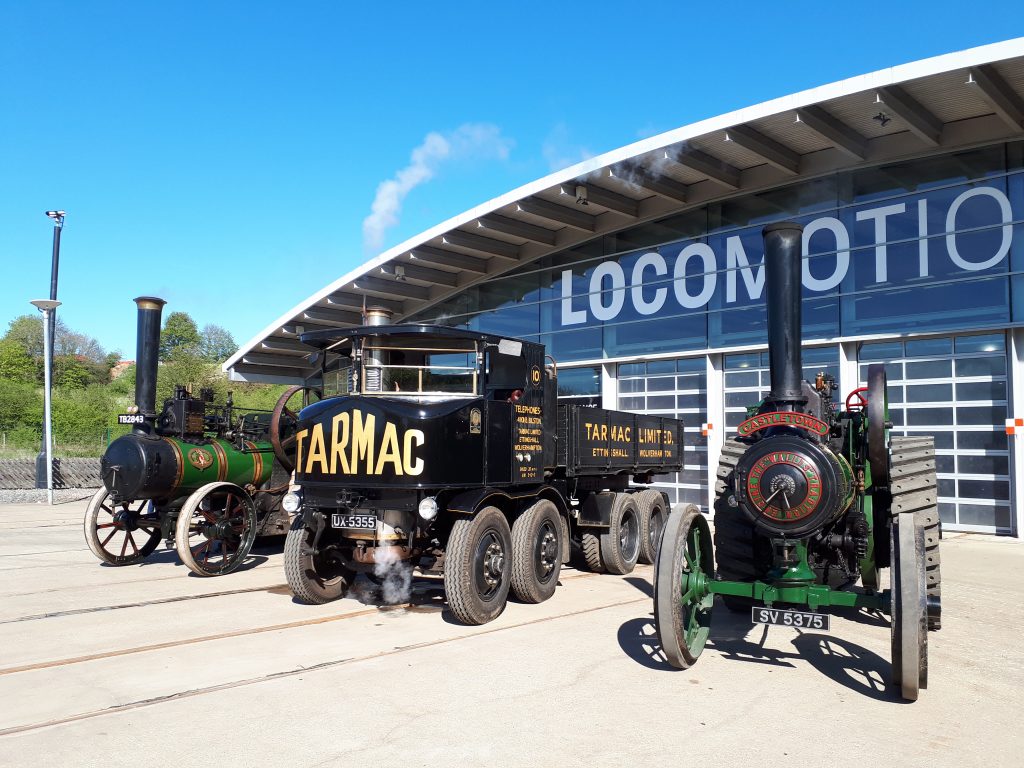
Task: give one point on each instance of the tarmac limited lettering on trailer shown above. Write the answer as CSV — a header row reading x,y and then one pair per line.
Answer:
x,y
695,270
352,447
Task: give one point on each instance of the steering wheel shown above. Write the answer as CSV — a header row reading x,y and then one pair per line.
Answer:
x,y
283,423
857,400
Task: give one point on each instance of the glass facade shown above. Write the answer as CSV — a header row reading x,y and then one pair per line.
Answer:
x,y
929,246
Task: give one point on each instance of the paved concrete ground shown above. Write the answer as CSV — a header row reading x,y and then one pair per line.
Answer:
x,y
148,665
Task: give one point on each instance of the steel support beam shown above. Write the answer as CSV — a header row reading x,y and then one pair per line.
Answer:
x,y
998,94
391,287
559,213
842,136
423,274
488,245
325,315
287,346
772,152
613,201
922,123
701,162
357,301
638,176
430,255
515,228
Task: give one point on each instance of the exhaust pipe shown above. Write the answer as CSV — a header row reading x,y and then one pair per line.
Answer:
x,y
374,373
147,352
783,243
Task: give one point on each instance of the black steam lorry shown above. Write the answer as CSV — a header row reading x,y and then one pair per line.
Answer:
x,y
447,450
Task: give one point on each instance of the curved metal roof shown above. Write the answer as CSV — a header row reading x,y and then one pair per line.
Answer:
x,y
948,102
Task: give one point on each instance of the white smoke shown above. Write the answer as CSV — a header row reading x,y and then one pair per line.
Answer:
x,y
470,140
395,575
559,151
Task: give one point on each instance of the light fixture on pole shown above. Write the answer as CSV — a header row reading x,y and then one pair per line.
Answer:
x,y
43,459
47,306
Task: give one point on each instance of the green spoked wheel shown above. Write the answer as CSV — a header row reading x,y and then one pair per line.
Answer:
x,y
682,601
121,534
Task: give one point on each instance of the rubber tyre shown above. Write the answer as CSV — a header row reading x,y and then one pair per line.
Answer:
x,y
308,582
536,539
469,597
653,513
95,511
591,546
620,544
735,537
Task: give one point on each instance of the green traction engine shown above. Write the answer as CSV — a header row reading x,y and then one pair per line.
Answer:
x,y
208,479
811,498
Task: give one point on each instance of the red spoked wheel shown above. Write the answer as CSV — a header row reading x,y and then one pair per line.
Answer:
x,y
857,400
216,528
121,534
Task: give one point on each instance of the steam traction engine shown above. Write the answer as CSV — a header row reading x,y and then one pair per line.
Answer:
x,y
207,478
446,449
809,499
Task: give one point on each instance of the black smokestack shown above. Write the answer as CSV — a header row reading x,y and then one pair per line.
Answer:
x,y
783,243
147,351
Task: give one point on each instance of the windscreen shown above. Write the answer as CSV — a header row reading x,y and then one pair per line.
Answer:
x,y
403,366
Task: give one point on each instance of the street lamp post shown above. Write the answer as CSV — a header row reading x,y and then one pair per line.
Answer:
x,y
47,307
45,459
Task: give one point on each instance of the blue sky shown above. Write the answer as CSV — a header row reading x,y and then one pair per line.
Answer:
x,y
229,157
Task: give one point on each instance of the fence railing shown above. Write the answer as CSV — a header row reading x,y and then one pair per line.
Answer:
x,y
22,442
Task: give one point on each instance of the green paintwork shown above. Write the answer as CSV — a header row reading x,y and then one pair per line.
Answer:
x,y
204,463
814,596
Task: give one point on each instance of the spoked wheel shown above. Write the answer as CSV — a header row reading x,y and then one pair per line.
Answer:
x,y
476,569
652,521
620,544
121,534
682,601
536,552
909,607
216,528
284,420
313,577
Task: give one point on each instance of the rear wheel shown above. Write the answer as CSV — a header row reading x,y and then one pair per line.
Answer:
x,y
620,544
652,521
477,575
536,552
313,578
736,541
914,490
591,546
909,619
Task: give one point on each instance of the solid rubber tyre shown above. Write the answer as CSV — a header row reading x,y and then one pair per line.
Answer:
x,y
536,552
653,511
736,539
477,572
102,515
620,544
313,580
683,621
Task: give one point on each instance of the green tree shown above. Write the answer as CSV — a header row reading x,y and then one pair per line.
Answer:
x,y
16,364
27,330
69,371
180,332
217,344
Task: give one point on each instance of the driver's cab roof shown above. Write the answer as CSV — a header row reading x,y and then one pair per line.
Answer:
x,y
342,340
